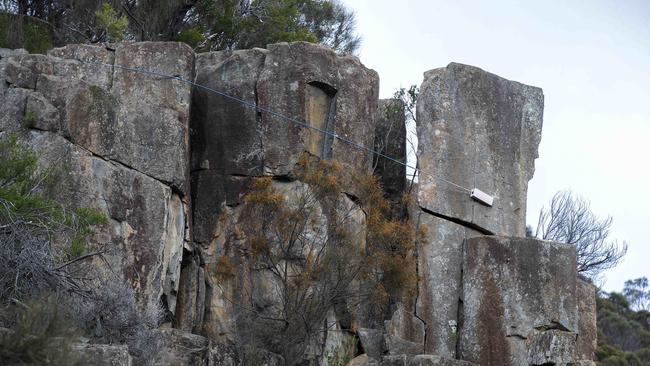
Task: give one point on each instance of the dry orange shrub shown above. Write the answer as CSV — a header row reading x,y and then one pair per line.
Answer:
x,y
316,272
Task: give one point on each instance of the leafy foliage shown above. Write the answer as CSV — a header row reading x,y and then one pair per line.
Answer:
x,y
24,32
623,334
232,24
203,24
114,25
637,292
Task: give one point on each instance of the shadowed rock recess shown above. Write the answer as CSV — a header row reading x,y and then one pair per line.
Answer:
x,y
169,163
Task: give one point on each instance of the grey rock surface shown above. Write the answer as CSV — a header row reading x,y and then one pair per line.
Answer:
x,y
110,111
434,360
440,261
477,130
332,92
514,291
372,342
363,360
554,347
587,326
307,83
145,232
125,140
405,333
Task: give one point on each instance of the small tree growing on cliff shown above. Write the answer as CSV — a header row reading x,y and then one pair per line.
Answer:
x,y
309,254
569,220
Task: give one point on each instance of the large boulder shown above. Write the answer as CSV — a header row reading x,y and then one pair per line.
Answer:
x,y
123,137
242,133
440,260
477,130
519,302
405,333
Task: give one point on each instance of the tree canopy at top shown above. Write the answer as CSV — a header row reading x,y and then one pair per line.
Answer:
x,y
204,24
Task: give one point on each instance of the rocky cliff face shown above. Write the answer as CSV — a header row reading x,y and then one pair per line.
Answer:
x,y
126,148
169,164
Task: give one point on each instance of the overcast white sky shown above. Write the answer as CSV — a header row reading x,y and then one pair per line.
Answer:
x,y
592,58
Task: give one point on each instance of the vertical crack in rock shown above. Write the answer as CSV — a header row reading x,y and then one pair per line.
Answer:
x,y
258,118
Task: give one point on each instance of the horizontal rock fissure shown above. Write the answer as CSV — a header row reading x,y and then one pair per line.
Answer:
x,y
553,326
119,163
516,336
458,221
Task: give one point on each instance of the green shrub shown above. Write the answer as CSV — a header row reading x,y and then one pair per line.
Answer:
x,y
37,37
192,36
114,26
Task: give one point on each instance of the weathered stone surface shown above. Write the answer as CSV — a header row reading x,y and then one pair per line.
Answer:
x,y
404,360
145,232
338,344
226,135
66,64
390,140
477,130
552,347
210,190
404,333
5,54
587,327
125,137
440,260
232,138
14,102
304,81
363,360
187,349
136,119
514,291
190,309
328,91
585,363
8,52
103,355
182,348
111,112
434,360
40,114
394,360
372,342
154,120
24,71
255,356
